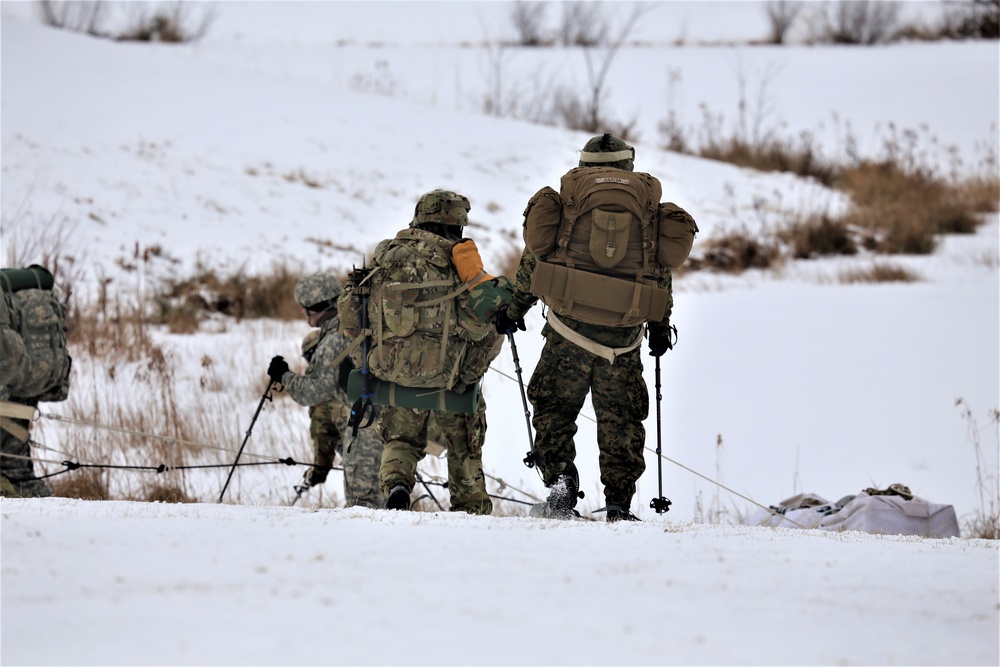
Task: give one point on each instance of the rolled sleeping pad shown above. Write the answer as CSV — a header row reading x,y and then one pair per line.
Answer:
x,y
33,277
392,394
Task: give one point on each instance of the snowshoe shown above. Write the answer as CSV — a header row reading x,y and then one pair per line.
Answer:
x,y
618,513
544,510
563,495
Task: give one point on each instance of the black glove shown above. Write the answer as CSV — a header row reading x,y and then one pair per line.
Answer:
x,y
660,342
277,368
505,325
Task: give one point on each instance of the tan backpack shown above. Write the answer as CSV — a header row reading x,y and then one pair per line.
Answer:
x,y
603,243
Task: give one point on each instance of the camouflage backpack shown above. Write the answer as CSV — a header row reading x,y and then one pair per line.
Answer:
x,y
35,362
425,333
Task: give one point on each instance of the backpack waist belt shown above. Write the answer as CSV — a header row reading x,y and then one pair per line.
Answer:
x,y
595,348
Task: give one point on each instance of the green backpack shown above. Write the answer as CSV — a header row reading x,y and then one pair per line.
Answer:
x,y
35,362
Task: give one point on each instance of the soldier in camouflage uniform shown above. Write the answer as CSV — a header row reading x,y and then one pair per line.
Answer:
x,y
566,373
431,246
34,367
323,387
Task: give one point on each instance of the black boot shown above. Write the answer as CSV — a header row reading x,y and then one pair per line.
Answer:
x,y
399,498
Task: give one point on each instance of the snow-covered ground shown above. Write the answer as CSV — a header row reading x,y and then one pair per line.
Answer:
x,y
203,153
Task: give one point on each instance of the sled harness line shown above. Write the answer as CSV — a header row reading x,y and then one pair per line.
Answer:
x,y
142,434
266,460
163,467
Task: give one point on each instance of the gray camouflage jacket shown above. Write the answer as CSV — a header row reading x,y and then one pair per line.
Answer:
x,y
320,382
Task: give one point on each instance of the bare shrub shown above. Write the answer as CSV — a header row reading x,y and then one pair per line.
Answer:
x,y
599,66
528,19
985,523
85,16
977,19
781,15
862,22
879,272
583,24
174,22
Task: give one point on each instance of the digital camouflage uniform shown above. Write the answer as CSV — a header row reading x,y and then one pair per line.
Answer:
x,y
330,436
418,255
323,388
17,467
34,368
566,373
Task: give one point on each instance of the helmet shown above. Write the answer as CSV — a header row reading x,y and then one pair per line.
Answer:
x,y
442,207
310,342
318,291
607,151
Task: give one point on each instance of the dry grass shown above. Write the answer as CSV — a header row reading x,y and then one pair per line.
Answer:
x,y
736,252
879,272
86,484
903,200
509,262
985,523
905,210
820,236
801,157
183,303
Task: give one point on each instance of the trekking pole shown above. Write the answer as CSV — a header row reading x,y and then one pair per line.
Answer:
x,y
660,503
531,458
265,397
428,494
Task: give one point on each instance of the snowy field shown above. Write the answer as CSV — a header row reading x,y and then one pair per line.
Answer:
x,y
203,153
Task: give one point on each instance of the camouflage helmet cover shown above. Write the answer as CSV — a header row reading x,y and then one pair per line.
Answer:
x,y
443,207
607,150
318,289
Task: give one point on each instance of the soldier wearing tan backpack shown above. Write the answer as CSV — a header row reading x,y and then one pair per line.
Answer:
x,y
599,254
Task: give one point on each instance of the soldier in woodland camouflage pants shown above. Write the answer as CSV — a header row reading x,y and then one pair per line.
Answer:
x,y
580,357
324,387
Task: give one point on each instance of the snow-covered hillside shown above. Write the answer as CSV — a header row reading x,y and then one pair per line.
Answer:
x,y
265,144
